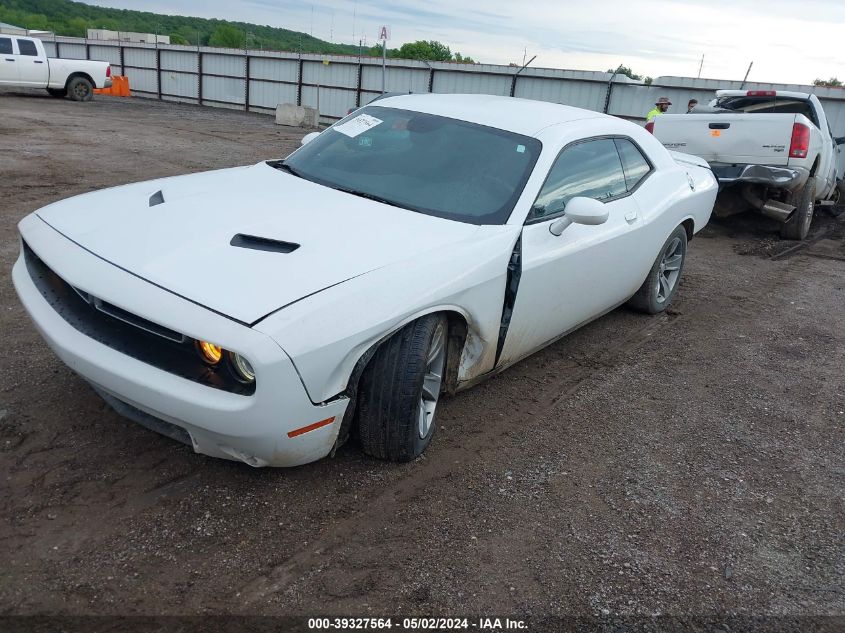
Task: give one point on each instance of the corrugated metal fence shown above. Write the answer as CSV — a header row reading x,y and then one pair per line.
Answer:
x,y
257,81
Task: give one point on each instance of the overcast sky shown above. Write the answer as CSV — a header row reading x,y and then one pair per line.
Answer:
x,y
791,41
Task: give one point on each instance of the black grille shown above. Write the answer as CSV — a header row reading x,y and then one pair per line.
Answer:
x,y
128,333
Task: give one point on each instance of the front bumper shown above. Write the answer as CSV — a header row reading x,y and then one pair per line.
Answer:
x,y
790,178
250,428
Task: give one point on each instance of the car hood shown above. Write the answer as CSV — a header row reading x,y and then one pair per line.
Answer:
x,y
184,243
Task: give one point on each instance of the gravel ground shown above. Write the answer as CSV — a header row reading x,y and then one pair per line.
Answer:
x,y
690,464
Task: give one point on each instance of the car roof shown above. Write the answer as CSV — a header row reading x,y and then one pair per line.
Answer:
x,y
522,116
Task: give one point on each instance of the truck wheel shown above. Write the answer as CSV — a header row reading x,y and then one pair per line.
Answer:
x,y
798,226
661,285
400,388
59,93
80,89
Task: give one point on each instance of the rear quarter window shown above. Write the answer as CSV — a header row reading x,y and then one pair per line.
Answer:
x,y
27,47
634,164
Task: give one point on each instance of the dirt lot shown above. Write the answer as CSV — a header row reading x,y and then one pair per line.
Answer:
x,y
690,464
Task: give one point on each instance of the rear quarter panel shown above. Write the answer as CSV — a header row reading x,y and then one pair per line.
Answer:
x,y
61,69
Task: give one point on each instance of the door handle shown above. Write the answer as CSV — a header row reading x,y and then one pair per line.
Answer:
x,y
37,61
9,60
719,126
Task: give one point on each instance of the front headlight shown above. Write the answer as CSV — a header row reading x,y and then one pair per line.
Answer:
x,y
241,368
209,352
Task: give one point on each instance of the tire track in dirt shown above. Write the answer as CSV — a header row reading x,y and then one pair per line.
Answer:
x,y
572,377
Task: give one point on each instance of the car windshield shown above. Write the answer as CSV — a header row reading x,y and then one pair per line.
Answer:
x,y
422,162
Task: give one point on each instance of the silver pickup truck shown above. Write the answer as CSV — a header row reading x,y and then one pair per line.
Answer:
x,y
24,63
771,150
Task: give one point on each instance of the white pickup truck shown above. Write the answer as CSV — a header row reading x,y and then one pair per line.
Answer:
x,y
772,150
24,63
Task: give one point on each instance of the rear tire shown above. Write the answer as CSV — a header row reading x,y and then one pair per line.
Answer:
x,y
664,278
400,388
80,89
58,93
798,226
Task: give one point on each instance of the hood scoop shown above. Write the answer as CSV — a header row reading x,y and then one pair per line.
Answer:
x,y
156,198
262,244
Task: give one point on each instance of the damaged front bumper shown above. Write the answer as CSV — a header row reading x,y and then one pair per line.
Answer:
x,y
276,425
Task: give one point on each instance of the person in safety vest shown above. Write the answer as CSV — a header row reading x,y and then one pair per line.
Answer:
x,y
660,107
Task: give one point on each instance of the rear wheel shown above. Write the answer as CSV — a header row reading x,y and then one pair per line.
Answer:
x,y
80,89
798,225
58,93
400,389
661,285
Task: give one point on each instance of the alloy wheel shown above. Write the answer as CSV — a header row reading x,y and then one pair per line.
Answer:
x,y
669,270
433,379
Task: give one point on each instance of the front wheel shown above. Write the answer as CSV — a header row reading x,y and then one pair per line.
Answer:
x,y
798,225
80,89
661,285
400,389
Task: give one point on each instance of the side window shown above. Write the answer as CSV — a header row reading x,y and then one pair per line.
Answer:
x,y
27,47
590,169
634,163
6,46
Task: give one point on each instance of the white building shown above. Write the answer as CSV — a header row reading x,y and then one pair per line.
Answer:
x,y
11,29
127,36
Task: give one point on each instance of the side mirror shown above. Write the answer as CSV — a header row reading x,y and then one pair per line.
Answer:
x,y
309,137
580,211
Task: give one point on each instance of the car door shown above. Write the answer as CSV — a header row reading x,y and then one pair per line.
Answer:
x,y
32,68
566,280
8,62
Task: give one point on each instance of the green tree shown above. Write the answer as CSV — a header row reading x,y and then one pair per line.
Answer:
x,y
833,82
175,38
431,51
228,36
624,70
77,27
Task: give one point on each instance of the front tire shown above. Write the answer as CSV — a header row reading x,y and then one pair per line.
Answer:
x,y
400,389
80,89
798,226
664,278
58,93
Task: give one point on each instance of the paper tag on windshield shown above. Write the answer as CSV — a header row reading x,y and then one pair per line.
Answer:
x,y
358,125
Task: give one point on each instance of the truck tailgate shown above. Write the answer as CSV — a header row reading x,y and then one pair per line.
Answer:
x,y
753,138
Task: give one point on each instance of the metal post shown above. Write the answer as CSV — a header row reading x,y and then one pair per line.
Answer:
x,y
610,90
513,81
383,66
199,75
158,69
246,85
746,76
358,90
299,84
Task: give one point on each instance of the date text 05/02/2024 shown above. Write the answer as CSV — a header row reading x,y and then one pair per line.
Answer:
x,y
419,624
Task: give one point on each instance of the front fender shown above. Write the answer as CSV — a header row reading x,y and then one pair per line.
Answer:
x,y
326,334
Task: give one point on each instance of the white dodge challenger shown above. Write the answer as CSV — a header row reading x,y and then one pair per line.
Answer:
x,y
421,244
